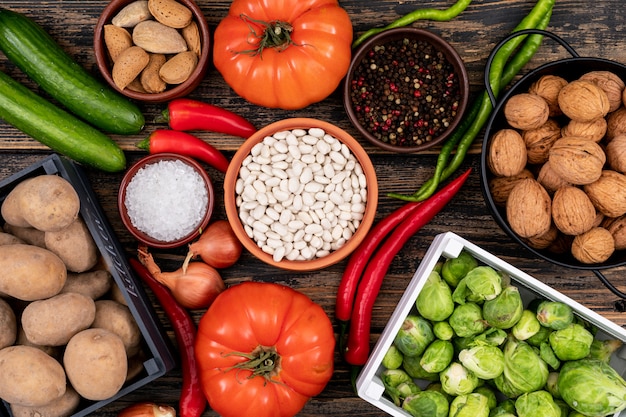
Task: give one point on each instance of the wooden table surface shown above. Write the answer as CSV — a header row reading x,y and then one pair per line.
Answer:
x,y
594,29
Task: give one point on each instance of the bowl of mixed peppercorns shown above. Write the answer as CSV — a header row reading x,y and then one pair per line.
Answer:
x,y
406,89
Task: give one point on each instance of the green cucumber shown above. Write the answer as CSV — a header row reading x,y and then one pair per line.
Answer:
x,y
33,50
56,128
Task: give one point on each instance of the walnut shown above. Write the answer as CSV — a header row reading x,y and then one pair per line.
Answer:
x,y
528,209
577,160
616,153
611,83
593,130
583,101
545,240
507,153
500,187
549,179
526,111
616,123
539,141
608,193
617,227
562,244
548,87
594,246
573,212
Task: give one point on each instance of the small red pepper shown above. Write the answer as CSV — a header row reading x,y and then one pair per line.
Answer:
x,y
357,350
187,114
192,401
359,258
183,143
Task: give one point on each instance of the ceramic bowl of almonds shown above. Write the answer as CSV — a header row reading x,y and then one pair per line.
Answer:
x,y
554,163
152,50
301,194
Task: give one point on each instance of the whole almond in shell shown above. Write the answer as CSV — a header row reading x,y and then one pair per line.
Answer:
x,y
608,193
500,187
528,209
191,34
548,87
573,212
616,153
131,14
539,141
594,246
507,153
158,38
116,40
583,101
129,65
178,68
150,79
610,82
526,111
170,12
577,160
593,130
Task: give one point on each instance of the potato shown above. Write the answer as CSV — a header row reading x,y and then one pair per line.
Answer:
x,y
29,377
48,202
9,239
10,209
74,245
118,295
96,364
29,235
93,284
61,407
53,322
30,273
117,318
55,351
8,325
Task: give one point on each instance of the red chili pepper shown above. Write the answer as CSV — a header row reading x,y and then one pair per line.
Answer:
x,y
184,143
192,401
359,258
187,114
357,350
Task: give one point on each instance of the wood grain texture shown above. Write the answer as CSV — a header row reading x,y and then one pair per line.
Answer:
x,y
594,32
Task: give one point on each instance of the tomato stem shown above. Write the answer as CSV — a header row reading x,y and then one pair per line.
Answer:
x,y
262,361
275,34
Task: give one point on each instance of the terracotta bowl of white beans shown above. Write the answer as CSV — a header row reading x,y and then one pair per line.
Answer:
x,y
301,194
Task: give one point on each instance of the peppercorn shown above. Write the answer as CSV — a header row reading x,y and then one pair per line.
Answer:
x,y
405,92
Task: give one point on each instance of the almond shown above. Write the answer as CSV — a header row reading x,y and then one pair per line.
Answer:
x,y
191,34
157,38
150,79
178,68
132,14
170,12
116,39
129,65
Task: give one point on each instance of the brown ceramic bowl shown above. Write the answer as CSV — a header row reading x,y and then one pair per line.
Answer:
x,y
173,91
147,237
232,197
370,118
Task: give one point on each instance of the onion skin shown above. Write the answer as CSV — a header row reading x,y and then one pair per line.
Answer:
x,y
217,246
194,285
147,409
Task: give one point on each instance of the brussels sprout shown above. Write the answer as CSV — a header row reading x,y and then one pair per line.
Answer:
x,y
603,349
555,314
469,405
504,311
551,385
407,389
427,403
437,356
392,378
485,361
443,330
456,379
434,302
467,320
492,399
436,386
505,408
547,354
571,343
454,269
524,370
541,336
393,358
411,364
492,336
527,326
537,403
565,410
592,387
480,284
415,334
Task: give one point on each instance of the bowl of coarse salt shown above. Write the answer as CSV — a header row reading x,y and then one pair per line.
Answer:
x,y
165,200
301,194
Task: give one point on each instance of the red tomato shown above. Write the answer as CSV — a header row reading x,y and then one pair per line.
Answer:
x,y
263,350
283,53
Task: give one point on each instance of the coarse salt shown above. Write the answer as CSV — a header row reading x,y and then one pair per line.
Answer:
x,y
166,200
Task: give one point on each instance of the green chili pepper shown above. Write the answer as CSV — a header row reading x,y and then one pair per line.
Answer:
x,y
419,14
